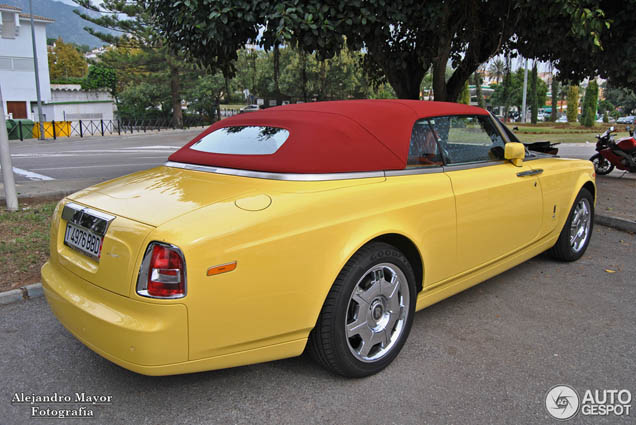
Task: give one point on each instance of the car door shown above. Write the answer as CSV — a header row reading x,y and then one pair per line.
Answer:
x,y
498,205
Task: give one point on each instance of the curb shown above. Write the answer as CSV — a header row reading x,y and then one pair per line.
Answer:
x,y
25,293
615,222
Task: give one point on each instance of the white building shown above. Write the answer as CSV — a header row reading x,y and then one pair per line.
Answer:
x,y
70,103
17,70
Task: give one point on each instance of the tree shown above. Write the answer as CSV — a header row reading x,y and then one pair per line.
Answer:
x,y
534,98
144,101
590,101
623,98
604,33
464,96
555,98
401,40
65,61
573,103
101,76
205,95
132,20
511,91
497,69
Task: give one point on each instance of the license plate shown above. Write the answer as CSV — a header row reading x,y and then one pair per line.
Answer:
x,y
83,240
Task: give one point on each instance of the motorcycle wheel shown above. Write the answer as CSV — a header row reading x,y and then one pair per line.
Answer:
x,y
601,165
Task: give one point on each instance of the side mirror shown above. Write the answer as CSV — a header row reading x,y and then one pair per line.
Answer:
x,y
612,129
515,152
628,129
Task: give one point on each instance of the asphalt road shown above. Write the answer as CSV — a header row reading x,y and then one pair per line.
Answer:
x,y
487,355
99,158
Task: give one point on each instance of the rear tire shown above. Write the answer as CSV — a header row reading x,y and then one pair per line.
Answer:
x,y
577,230
368,313
601,165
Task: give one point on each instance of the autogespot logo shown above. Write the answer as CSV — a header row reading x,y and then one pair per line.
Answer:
x,y
562,402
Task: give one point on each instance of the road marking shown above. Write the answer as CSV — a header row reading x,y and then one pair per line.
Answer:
x,y
154,147
30,174
98,166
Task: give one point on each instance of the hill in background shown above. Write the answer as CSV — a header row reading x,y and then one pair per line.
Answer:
x,y
67,24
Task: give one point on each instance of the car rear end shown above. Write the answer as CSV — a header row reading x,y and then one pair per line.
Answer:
x,y
92,284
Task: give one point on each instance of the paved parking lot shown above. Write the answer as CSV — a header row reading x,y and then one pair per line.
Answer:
x,y
487,355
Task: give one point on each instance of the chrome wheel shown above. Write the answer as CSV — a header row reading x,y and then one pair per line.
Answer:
x,y
377,312
580,226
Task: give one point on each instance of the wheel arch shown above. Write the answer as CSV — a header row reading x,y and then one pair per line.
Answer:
x,y
591,188
409,249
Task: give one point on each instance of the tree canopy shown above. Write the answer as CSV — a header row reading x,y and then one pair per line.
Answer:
x,y
402,39
65,61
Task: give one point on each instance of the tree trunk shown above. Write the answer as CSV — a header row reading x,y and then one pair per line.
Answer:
x,y
323,81
406,83
555,99
228,96
439,71
534,98
303,62
276,71
478,93
175,94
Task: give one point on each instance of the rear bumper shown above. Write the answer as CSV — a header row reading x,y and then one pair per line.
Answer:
x,y
137,335
147,338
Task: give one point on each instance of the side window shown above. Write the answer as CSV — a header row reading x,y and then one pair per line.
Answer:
x,y
423,150
468,139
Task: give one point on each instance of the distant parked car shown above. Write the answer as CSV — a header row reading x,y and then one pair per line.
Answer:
x,y
630,119
562,119
250,108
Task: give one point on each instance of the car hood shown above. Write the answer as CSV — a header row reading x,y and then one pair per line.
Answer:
x,y
160,194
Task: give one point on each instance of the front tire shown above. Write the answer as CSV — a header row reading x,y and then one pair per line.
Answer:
x,y
601,165
577,231
368,313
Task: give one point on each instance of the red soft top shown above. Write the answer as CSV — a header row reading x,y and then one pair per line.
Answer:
x,y
330,137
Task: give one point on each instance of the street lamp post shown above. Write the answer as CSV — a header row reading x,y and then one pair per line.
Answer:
x,y
37,74
525,89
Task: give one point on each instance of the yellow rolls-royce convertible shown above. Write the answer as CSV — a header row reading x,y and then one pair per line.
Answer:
x,y
321,226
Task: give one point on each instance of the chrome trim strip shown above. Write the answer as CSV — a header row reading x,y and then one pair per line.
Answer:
x,y
413,171
74,213
468,166
275,176
72,208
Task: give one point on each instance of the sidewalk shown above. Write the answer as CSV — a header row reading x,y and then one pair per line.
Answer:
x,y
616,201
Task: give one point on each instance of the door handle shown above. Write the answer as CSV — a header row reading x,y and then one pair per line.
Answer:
x,y
530,173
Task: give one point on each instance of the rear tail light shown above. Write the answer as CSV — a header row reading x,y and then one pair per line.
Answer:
x,y
162,273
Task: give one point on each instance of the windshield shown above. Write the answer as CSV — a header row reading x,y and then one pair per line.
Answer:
x,y
243,140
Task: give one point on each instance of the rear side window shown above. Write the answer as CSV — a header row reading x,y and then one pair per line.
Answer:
x,y
243,140
423,149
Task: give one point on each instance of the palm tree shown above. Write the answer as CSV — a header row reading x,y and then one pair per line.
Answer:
x,y
497,69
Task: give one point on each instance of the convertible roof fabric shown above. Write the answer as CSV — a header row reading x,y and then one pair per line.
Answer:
x,y
330,137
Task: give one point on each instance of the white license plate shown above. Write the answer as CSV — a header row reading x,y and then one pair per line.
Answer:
x,y
83,240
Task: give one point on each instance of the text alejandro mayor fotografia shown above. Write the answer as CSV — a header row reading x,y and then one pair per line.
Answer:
x,y
57,405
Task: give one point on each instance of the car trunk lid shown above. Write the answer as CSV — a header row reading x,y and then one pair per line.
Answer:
x,y
135,204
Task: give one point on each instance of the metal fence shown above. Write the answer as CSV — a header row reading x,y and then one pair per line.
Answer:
x,y
87,128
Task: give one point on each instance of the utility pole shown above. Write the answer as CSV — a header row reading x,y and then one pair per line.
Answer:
x,y
5,161
525,89
37,74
